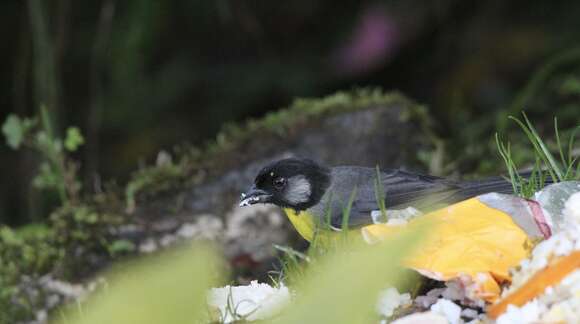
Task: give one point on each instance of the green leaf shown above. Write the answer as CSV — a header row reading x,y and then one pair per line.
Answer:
x,y
570,86
74,139
86,215
34,231
121,246
47,145
8,236
15,130
46,178
167,288
342,287
12,129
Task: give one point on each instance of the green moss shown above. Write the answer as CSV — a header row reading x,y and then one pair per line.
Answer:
x,y
153,180
303,110
59,248
83,230
197,163
27,252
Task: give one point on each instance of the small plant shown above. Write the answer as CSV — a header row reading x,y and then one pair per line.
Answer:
x,y
58,246
545,165
293,266
56,171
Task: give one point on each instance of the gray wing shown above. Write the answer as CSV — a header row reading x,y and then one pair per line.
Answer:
x,y
401,189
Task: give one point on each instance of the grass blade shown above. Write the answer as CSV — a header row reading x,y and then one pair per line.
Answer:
x,y
558,142
504,152
380,195
552,161
346,212
571,145
533,139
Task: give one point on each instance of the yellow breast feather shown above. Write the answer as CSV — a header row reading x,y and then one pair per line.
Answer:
x,y
303,222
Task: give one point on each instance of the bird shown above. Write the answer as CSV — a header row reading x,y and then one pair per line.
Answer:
x,y
311,193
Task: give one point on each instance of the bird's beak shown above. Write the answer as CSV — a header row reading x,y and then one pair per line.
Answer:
x,y
254,196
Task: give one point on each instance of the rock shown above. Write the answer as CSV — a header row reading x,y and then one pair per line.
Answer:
x,y
422,318
448,309
553,200
360,128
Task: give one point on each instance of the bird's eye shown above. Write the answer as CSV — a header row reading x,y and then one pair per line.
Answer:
x,y
279,183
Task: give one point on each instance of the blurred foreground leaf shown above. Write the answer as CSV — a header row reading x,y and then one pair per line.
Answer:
x,y
169,288
341,287
344,287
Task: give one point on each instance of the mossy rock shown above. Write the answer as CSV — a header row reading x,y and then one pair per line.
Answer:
x,y
360,127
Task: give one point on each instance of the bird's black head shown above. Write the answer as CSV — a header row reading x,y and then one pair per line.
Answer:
x,y
289,183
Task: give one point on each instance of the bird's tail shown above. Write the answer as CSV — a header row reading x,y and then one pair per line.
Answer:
x,y
479,187
494,184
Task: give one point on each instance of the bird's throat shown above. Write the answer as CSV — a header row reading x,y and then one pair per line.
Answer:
x,y
303,222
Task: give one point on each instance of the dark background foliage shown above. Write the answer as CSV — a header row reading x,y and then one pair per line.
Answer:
x,y
138,76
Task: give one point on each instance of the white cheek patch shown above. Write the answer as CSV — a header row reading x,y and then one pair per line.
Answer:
x,y
298,190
